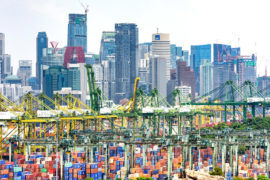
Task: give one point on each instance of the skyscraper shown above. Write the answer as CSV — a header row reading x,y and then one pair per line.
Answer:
x,y
185,76
145,49
107,45
198,53
222,52
126,43
25,71
42,42
2,44
206,77
161,47
176,53
77,31
159,79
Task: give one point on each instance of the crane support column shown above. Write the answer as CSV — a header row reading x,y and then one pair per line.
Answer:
x,y
215,155
225,113
127,158
183,157
244,112
263,111
236,161
233,113
267,159
253,110
169,161
223,154
144,155
190,157
132,156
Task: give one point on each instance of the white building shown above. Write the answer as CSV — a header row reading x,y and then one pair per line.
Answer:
x,y
161,47
158,71
185,92
14,91
25,71
206,76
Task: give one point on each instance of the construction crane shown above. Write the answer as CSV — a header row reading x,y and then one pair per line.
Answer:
x,y
93,91
85,6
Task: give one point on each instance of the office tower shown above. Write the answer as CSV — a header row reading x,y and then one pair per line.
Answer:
x,y
33,83
159,72
25,71
109,77
185,94
14,91
107,45
185,76
5,67
186,57
54,79
161,47
222,53
77,31
206,77
74,55
53,57
41,43
223,72
126,44
145,50
263,84
198,53
2,44
235,52
246,69
176,53
91,58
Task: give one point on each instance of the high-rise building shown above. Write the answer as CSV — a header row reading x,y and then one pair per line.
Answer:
x,y
126,43
198,53
235,52
222,52
2,44
263,84
109,77
158,71
246,69
223,72
107,45
6,68
145,50
185,76
53,57
161,47
77,31
74,55
206,76
41,43
176,53
25,71
186,57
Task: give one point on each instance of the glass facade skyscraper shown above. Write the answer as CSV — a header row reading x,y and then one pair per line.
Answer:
x,y
77,31
197,54
42,42
126,43
107,45
222,52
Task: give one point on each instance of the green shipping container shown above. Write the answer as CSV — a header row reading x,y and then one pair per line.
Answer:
x,y
44,170
17,169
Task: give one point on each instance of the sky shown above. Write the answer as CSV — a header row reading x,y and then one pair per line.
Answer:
x,y
243,23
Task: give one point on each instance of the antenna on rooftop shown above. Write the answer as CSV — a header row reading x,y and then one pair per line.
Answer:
x,y
157,30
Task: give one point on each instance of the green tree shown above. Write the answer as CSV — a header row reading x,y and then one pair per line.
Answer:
x,y
261,177
216,172
238,178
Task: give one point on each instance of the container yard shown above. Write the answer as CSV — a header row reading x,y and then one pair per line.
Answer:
x,y
146,137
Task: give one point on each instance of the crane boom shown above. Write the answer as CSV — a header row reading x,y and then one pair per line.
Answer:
x,y
93,91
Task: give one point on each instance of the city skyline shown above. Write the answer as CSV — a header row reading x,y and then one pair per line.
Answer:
x,y
52,17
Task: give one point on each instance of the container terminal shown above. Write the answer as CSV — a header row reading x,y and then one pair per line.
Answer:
x,y
145,138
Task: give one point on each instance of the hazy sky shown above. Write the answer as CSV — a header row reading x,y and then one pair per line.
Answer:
x,y
189,22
